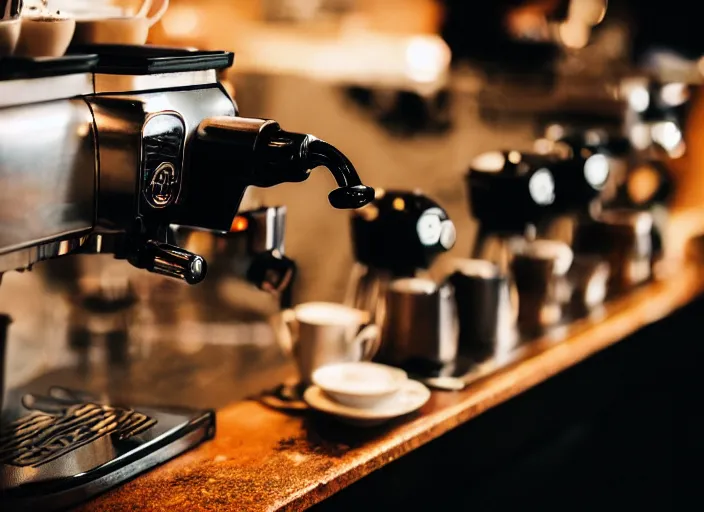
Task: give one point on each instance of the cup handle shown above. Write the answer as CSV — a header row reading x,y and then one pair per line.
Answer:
x,y
290,330
514,301
158,12
144,10
370,339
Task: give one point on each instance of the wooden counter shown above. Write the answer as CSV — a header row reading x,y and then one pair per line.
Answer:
x,y
265,459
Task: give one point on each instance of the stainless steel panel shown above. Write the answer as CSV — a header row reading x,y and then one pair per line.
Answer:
x,y
36,90
105,83
47,180
120,119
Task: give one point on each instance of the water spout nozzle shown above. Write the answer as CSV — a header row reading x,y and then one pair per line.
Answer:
x,y
352,193
230,154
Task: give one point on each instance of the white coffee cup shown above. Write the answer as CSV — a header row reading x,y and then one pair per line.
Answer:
x,y
45,36
9,34
132,30
324,333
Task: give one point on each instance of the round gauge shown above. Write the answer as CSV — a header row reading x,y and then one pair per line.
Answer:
x,y
542,187
429,227
596,170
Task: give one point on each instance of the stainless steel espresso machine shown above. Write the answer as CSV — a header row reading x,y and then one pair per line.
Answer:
x,y
106,151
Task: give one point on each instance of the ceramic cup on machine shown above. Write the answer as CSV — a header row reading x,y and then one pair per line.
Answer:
x,y
94,27
420,327
10,24
398,235
44,33
323,333
485,312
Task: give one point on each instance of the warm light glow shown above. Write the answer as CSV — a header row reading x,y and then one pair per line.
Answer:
x,y
674,94
426,59
555,132
592,137
543,146
682,226
667,134
574,33
239,224
552,250
595,292
492,161
642,184
399,204
514,157
596,170
679,151
369,212
180,21
640,136
589,12
527,22
639,98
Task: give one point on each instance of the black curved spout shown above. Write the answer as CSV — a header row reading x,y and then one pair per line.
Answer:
x,y
289,156
229,154
351,192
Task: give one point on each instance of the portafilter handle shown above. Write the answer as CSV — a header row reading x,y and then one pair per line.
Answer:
x,y
171,261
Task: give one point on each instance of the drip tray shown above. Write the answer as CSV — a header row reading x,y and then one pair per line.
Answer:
x,y
67,448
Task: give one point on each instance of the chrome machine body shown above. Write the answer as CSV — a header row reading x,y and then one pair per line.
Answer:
x,y
106,153
130,151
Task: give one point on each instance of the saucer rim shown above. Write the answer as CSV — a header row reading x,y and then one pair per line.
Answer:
x,y
400,378
315,397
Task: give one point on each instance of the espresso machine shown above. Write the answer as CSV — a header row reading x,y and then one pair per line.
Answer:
x,y
252,251
516,198
398,235
511,193
113,150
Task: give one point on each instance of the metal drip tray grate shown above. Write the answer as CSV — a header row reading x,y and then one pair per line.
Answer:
x,y
69,447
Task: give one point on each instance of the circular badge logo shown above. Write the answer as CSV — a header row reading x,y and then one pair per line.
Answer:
x,y
160,190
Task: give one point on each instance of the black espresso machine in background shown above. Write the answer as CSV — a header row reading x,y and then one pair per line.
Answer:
x,y
106,150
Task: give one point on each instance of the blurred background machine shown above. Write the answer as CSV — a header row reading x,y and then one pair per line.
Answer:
x,y
415,90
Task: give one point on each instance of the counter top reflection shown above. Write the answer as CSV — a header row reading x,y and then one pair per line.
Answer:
x,y
268,459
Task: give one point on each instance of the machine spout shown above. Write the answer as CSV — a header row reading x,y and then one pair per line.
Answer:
x,y
233,153
351,193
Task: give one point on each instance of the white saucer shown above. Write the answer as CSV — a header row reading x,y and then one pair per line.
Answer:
x,y
361,385
411,396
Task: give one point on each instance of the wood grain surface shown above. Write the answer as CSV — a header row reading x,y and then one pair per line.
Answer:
x,y
268,459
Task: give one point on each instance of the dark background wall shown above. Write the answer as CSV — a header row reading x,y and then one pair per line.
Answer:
x,y
476,28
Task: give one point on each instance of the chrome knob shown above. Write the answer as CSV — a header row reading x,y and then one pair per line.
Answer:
x,y
171,261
